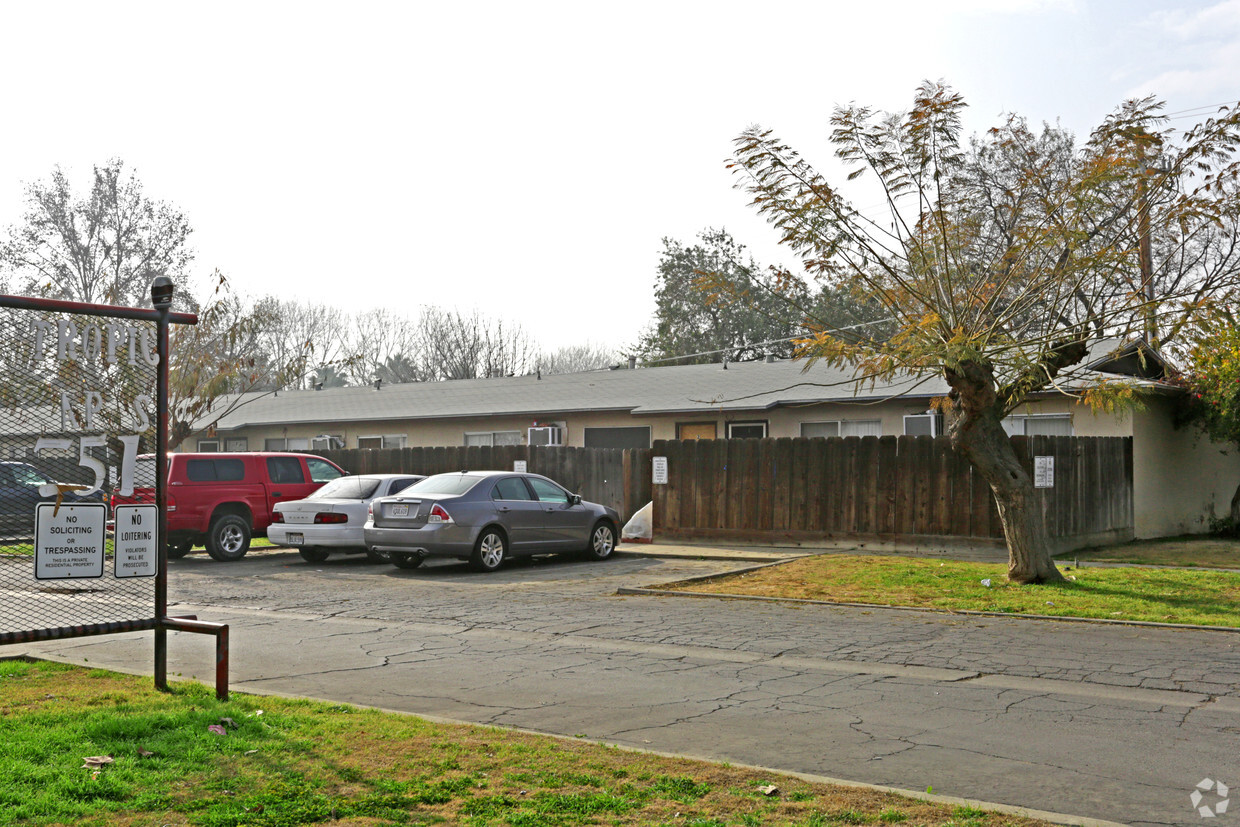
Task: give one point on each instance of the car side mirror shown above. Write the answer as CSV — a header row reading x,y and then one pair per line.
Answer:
x,y
574,499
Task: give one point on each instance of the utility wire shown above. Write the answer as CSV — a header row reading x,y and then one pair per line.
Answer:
x,y
759,344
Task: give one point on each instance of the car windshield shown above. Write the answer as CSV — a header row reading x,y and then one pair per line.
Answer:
x,y
347,488
446,484
25,475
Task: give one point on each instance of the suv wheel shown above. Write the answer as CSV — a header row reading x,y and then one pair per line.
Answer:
x,y
228,538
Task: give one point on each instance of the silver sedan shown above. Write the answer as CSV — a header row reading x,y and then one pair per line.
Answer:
x,y
485,517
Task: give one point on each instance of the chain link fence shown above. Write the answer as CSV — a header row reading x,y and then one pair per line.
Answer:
x,y
78,400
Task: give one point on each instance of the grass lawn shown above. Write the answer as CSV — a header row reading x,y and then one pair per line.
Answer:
x,y
1210,598
1198,550
272,761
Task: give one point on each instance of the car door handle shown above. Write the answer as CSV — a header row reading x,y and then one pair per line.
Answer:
x,y
503,509
276,494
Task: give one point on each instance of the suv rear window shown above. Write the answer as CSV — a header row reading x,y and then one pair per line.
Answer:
x,y
285,470
214,470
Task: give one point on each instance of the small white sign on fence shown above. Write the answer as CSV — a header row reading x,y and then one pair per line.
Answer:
x,y
518,466
69,541
660,470
1043,472
136,553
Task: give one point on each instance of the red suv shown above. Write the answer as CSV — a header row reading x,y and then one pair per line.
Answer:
x,y
222,500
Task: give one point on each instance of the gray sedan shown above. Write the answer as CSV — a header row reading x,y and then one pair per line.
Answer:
x,y
485,517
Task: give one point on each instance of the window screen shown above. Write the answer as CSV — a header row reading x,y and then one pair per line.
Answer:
x,y
628,437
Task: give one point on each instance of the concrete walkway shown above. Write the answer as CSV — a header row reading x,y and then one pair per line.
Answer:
x,y
1116,723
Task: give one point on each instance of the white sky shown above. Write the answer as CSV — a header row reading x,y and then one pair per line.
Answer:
x,y
527,158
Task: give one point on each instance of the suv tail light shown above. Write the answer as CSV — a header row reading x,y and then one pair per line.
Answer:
x,y
330,517
438,515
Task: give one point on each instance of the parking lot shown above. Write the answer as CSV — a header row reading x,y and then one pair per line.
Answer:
x,y
1112,722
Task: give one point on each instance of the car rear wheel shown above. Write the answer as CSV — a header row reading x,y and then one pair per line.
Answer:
x,y
179,548
228,538
602,541
404,561
489,551
313,555
376,556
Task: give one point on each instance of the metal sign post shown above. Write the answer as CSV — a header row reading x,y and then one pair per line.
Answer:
x,y
76,382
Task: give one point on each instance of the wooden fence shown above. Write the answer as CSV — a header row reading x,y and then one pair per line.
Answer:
x,y
610,476
887,487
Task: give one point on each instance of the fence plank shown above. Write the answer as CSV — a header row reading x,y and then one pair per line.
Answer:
x,y
886,490
866,483
781,483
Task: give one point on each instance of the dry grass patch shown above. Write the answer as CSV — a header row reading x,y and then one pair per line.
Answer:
x,y
1210,598
294,762
1197,551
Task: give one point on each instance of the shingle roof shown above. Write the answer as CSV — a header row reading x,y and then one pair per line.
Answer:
x,y
656,390
677,389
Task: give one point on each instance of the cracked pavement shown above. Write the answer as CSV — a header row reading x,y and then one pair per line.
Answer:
x,y
1108,722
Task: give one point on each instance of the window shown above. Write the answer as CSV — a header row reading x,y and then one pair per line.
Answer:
x,y
547,492
285,470
286,444
236,444
746,430
215,470
843,427
492,437
207,446
695,430
384,441
929,424
320,470
631,437
1039,425
511,488
326,442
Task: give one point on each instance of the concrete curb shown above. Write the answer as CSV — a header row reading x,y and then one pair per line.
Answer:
x,y
933,798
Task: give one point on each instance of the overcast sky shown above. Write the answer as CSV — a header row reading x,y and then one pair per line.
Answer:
x,y
527,158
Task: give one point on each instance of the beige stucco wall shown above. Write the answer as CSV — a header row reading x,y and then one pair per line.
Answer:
x,y
1180,478
781,422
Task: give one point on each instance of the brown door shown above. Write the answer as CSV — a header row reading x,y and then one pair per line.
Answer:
x,y
696,430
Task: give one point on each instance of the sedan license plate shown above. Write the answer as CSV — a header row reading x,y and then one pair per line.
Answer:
x,y
296,539
400,510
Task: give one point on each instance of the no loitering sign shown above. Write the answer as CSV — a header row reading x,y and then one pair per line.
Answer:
x,y
69,541
136,550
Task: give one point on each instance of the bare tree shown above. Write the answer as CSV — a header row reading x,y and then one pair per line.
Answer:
x,y
577,358
103,247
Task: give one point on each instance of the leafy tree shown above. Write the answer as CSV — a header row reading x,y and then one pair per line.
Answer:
x,y
1000,260
709,300
104,246
1213,383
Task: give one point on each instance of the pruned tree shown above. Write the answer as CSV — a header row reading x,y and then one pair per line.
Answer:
x,y
104,246
999,261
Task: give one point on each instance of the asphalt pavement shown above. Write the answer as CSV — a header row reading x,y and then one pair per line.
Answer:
x,y
1103,722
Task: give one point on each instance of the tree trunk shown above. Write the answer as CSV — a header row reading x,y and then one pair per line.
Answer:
x,y
977,432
